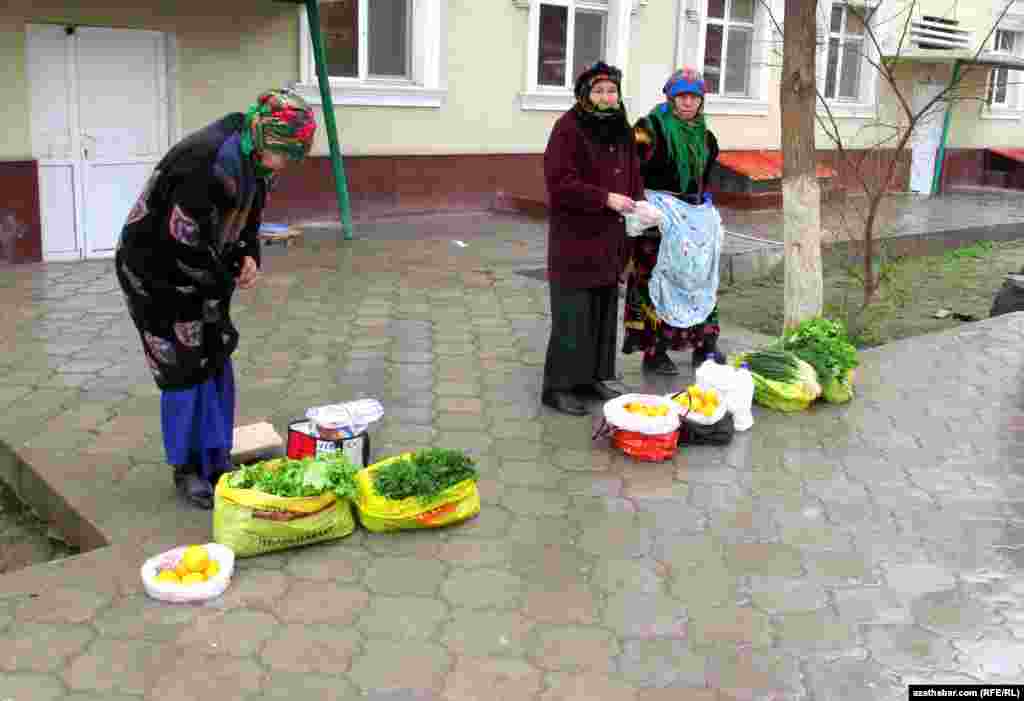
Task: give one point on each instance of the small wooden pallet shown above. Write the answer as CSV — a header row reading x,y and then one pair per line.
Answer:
x,y
285,238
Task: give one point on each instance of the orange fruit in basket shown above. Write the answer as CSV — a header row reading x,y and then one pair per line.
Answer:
x,y
212,569
196,559
181,570
193,578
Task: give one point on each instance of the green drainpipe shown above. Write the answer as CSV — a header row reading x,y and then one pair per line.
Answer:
x,y
941,157
340,184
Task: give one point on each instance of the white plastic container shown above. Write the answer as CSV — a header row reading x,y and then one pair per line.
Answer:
x,y
184,594
736,387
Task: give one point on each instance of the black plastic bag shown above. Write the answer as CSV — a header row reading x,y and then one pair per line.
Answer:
x,y
718,433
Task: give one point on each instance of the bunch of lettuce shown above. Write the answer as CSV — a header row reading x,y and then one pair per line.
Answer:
x,y
308,477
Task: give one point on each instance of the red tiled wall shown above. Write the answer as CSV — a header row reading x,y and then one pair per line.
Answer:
x,y
21,237
962,166
872,165
383,185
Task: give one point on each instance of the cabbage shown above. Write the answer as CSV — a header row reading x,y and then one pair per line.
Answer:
x,y
809,378
783,396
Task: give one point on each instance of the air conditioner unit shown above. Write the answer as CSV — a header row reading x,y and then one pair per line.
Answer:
x,y
938,33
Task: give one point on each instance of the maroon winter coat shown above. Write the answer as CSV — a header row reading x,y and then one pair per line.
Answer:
x,y
587,239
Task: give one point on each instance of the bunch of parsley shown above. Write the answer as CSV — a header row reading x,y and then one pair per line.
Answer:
x,y
424,474
308,477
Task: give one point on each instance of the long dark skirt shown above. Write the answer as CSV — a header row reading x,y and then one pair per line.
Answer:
x,y
644,330
582,347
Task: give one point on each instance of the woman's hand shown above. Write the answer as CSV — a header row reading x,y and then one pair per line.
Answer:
x,y
620,203
249,273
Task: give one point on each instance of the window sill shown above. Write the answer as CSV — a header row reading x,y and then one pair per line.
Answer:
x,y
716,104
1002,114
553,101
542,101
369,95
847,110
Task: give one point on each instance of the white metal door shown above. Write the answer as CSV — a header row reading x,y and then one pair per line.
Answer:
x,y
50,65
926,137
123,124
99,126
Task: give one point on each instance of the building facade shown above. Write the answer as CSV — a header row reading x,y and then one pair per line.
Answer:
x,y
445,104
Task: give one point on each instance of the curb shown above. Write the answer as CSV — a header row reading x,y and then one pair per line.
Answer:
x,y
32,487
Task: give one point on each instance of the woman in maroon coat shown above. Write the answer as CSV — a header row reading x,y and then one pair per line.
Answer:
x,y
592,174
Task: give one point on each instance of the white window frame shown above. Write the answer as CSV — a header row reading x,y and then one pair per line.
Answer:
x,y
1012,108
757,103
617,25
865,106
422,89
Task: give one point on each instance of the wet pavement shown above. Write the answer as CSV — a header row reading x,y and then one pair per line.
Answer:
x,y
899,215
839,554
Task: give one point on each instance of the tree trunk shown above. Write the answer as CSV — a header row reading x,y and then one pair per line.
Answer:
x,y
801,193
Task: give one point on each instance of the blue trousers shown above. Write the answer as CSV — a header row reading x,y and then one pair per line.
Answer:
x,y
198,423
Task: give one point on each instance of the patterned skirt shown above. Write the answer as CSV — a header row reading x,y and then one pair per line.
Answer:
x,y
644,330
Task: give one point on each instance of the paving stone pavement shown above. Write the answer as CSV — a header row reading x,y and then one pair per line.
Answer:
x,y
839,554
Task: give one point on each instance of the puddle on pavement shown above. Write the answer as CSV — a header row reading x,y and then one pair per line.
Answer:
x,y
25,539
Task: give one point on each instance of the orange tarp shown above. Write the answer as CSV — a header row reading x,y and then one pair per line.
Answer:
x,y
761,165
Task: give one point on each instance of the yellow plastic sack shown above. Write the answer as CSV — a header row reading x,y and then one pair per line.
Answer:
x,y
379,514
251,522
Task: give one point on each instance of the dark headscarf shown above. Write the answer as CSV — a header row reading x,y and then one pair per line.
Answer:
x,y
603,126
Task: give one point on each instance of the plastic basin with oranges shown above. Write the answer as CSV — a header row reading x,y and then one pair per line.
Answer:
x,y
189,573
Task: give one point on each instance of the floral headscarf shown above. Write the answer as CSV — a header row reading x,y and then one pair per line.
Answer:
x,y
282,121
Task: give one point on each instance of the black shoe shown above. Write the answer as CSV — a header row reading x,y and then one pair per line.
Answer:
x,y
604,392
700,355
564,402
660,364
193,488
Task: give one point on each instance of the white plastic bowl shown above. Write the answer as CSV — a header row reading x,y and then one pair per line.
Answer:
x,y
182,594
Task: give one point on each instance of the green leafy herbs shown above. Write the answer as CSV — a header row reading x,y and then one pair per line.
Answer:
x,y
425,474
308,477
773,364
823,344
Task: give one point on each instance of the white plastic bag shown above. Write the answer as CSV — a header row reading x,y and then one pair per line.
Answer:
x,y
183,594
615,414
348,419
736,387
643,217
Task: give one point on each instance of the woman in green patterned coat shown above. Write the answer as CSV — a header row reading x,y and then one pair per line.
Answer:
x,y
189,241
677,152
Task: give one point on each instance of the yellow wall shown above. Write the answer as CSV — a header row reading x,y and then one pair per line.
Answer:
x,y
218,71
14,136
972,126
227,53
